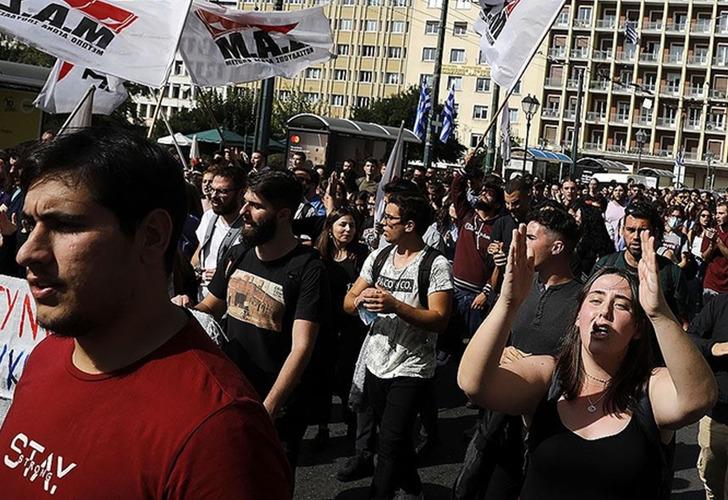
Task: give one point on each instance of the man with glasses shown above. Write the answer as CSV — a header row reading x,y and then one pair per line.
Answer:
x,y
220,226
399,354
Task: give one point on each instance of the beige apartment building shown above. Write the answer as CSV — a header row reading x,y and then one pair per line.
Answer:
x,y
672,86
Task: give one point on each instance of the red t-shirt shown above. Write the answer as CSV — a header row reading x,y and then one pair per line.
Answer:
x,y
181,423
716,272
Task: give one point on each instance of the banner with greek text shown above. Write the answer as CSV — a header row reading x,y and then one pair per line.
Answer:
x,y
67,84
19,331
133,40
222,46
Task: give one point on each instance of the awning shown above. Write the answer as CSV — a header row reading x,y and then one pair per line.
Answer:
x,y
309,121
182,140
25,76
544,155
656,172
604,164
213,136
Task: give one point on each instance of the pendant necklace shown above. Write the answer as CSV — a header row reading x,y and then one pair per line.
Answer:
x,y
592,408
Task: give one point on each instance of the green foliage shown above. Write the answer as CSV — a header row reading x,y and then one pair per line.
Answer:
x,y
14,51
291,105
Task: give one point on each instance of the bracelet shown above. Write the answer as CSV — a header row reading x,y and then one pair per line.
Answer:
x,y
487,289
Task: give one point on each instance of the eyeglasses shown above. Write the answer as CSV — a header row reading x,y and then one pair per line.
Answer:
x,y
390,219
222,192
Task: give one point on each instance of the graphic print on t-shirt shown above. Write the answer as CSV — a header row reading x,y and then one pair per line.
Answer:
x,y
255,300
405,285
35,462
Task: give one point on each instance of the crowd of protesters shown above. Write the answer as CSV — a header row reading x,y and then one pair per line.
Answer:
x,y
589,321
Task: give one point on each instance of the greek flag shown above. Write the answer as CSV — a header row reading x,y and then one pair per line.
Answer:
x,y
678,171
423,109
630,33
448,115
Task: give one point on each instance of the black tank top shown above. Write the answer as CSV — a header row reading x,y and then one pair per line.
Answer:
x,y
563,465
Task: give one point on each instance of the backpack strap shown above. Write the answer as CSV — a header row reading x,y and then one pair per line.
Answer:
x,y
423,273
611,259
232,234
379,261
207,238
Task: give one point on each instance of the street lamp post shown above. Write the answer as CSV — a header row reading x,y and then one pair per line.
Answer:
x,y
530,105
641,138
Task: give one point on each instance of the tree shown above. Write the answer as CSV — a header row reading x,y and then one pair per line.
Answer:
x,y
284,108
13,51
402,107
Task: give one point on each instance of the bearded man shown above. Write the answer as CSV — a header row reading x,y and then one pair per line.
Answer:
x,y
274,292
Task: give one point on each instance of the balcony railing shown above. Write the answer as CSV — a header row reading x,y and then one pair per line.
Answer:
x,y
676,27
649,57
702,26
570,114
695,91
718,94
592,146
596,116
550,113
557,52
692,124
672,89
599,84
668,122
581,53
663,152
652,87
715,126
720,61
602,55
625,56
620,119
582,23
674,59
617,148
699,60
572,83
652,26
553,82
644,120
607,23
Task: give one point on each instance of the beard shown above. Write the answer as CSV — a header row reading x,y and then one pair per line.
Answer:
x,y
223,208
484,205
258,233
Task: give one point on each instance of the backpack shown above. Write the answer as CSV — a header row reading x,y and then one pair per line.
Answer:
x,y
646,423
423,273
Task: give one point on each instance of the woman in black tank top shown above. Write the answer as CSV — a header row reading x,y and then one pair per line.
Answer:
x,y
600,415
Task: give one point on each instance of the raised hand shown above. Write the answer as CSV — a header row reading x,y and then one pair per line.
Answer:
x,y
651,297
518,276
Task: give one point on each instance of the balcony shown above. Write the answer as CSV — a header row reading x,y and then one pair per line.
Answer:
x,y
691,155
673,59
602,55
553,82
644,120
671,89
599,84
698,60
720,61
652,26
550,113
649,87
715,126
608,23
721,29
692,125
695,92
664,152
666,121
617,148
580,53
623,56
673,27
582,23
572,84
596,116
718,94
702,26
649,57
620,119
592,146
570,114
557,52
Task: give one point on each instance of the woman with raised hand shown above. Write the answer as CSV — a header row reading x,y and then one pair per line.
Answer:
x,y
601,416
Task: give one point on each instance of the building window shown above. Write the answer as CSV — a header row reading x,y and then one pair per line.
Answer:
x,y
482,84
178,68
455,82
342,50
432,27
457,56
463,4
311,97
368,51
475,139
480,112
397,26
426,79
399,3
434,4
341,74
338,100
392,78
370,25
284,94
345,24
366,76
348,2
459,29
362,102
517,87
374,3
428,53
513,115
313,73
394,52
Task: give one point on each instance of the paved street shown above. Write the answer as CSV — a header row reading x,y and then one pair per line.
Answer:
x,y
315,479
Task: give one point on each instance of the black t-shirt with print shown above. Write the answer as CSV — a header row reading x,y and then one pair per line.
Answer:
x,y
263,300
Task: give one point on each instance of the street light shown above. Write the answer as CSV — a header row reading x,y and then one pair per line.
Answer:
x,y
530,105
641,138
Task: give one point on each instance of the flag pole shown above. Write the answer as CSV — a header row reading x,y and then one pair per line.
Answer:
x,y
90,90
182,159
215,123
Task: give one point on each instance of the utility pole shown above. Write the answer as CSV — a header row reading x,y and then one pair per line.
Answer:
x,y
577,123
262,135
429,136
490,155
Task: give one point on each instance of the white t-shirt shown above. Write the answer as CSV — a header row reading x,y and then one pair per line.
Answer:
x,y
208,254
395,347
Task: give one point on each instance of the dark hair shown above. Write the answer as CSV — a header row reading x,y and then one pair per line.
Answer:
x,y
371,160
279,188
567,179
236,174
722,203
679,209
261,153
123,171
594,242
559,221
398,185
413,207
301,154
623,392
325,244
519,184
311,172
645,211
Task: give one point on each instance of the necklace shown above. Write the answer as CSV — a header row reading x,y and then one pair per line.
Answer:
x,y
604,382
592,408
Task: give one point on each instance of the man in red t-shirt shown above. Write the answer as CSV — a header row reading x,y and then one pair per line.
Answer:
x,y
128,398
715,255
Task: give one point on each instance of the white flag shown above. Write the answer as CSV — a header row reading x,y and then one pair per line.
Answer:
x,y
511,32
221,46
80,117
134,40
67,84
394,169
505,130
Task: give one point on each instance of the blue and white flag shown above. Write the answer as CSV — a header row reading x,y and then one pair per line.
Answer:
x,y
630,33
448,116
678,171
423,109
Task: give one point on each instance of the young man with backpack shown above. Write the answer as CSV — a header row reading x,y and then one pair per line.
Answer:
x,y
274,292
399,353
